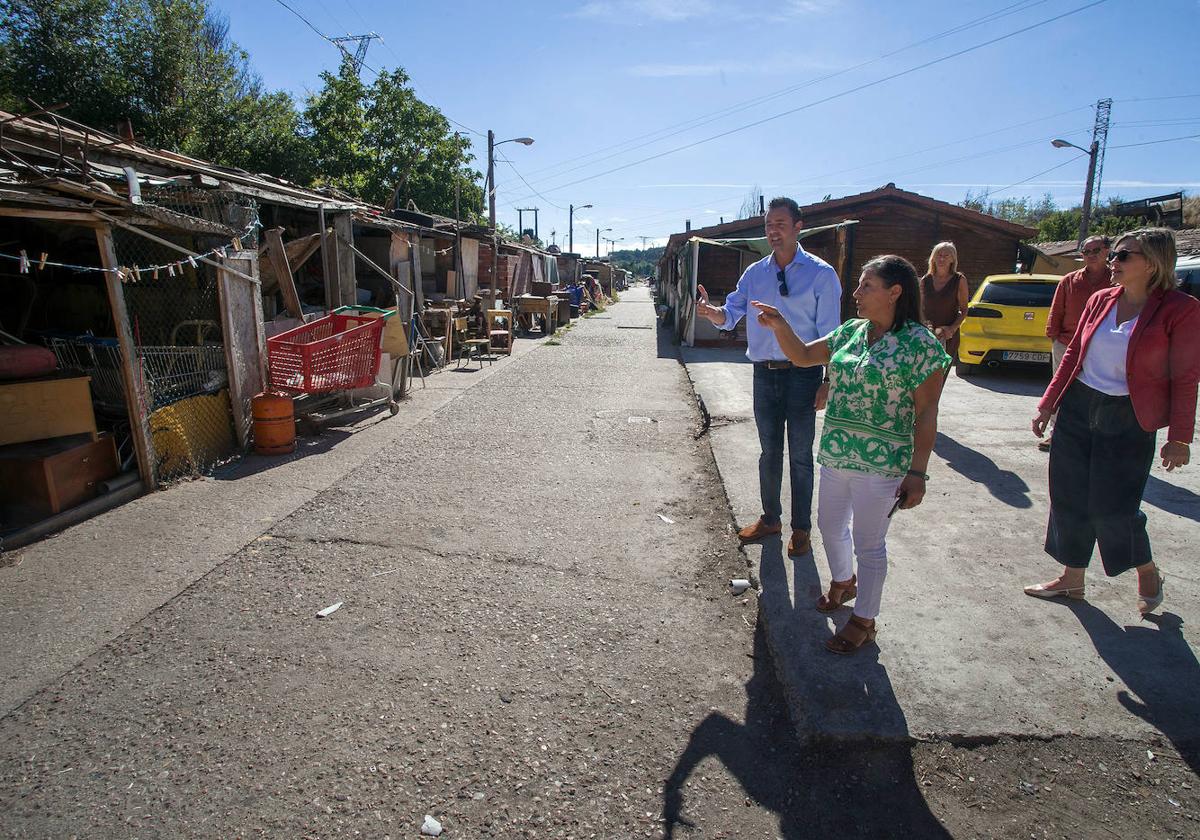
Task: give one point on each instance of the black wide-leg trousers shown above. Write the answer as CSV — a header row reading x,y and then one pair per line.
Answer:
x,y
1100,460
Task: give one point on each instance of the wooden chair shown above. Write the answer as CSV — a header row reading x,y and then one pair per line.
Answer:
x,y
500,331
458,337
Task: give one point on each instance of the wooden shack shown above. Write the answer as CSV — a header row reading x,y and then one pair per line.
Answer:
x,y
889,221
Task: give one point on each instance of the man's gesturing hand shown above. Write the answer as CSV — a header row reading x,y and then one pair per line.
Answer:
x,y
704,310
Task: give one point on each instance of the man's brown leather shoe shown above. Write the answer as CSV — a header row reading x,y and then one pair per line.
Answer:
x,y
799,544
758,530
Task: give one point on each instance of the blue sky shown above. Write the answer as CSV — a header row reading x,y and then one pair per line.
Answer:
x,y
626,99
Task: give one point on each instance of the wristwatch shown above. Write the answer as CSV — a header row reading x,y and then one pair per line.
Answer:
x,y
919,474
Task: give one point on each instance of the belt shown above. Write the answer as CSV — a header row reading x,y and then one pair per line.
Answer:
x,y
775,364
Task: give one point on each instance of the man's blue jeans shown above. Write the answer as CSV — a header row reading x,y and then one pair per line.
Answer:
x,y
783,399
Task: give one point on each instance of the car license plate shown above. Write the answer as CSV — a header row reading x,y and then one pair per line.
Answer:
x,y
1020,356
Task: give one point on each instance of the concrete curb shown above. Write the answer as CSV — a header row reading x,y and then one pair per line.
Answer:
x,y
962,654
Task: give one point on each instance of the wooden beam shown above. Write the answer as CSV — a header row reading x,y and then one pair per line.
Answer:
x,y
343,226
415,262
34,213
243,334
299,250
282,271
78,190
135,398
329,263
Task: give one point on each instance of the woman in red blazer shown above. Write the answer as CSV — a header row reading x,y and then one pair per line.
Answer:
x,y
1131,369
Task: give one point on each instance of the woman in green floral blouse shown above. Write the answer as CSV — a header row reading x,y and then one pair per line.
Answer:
x,y
885,376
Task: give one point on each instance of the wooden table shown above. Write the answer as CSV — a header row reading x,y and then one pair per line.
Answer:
x,y
528,306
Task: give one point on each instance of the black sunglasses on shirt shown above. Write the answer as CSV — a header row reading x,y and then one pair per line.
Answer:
x,y
782,282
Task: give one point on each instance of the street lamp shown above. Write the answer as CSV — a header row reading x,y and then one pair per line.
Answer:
x,y
491,196
1086,215
598,232
571,227
491,173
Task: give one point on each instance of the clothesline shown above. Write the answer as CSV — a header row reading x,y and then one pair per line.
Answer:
x,y
26,262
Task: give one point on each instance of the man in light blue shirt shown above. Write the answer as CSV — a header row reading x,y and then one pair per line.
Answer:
x,y
806,290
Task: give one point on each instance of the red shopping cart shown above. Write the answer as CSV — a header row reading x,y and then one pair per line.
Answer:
x,y
336,352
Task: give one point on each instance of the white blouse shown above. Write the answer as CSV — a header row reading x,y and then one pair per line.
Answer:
x,y
1104,363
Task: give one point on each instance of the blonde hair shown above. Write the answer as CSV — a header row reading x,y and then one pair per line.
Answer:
x,y
945,246
1158,249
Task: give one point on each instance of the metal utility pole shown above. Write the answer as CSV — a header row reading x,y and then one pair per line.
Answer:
x,y
533,210
1095,153
491,179
1100,140
491,171
644,238
360,50
571,227
598,232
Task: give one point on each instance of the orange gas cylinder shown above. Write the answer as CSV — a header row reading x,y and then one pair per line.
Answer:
x,y
274,424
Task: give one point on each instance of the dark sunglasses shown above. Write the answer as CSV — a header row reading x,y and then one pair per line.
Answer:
x,y
782,282
1122,255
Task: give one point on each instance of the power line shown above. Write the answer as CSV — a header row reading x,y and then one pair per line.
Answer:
x,y
1156,142
377,73
831,97
891,175
522,177
990,193
695,122
1160,98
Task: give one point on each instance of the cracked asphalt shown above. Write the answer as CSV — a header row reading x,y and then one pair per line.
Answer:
x,y
525,647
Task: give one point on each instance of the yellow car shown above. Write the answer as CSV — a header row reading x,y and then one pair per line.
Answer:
x,y
1006,322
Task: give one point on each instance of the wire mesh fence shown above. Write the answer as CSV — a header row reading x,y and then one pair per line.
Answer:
x,y
174,311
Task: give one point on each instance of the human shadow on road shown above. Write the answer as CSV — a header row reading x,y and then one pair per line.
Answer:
x,y
1004,485
1172,498
1158,666
818,786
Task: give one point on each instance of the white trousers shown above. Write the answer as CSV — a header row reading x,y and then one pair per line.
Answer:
x,y
852,513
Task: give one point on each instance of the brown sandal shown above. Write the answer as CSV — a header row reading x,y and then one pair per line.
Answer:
x,y
850,638
839,593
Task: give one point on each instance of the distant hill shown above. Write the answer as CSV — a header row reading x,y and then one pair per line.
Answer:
x,y
640,262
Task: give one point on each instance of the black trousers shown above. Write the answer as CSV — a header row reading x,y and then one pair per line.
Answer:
x,y
1100,460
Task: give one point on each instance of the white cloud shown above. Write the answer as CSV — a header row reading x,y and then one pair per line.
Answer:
x,y
673,11
692,186
710,212
797,8
635,11
662,71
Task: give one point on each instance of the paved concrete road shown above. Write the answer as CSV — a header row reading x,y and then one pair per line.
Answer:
x,y
535,638
961,651
526,648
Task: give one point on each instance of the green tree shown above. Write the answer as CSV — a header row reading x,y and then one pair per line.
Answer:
x,y
639,262
378,141
1064,224
166,66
